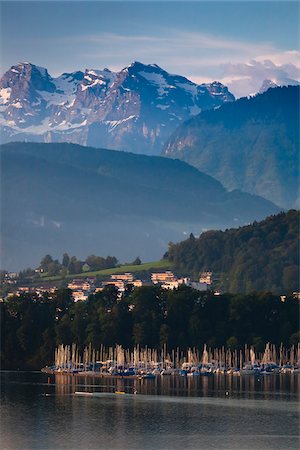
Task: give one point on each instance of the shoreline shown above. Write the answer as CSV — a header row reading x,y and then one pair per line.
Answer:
x,y
88,374
156,376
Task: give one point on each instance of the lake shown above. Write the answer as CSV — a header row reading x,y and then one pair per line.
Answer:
x,y
39,411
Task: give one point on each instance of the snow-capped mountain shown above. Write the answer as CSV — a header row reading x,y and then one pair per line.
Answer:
x,y
267,84
246,79
135,109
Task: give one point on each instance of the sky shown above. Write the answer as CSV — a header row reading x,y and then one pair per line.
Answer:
x,y
201,40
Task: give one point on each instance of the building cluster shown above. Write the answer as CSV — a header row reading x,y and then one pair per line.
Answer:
x,y
167,280
206,278
38,291
122,280
83,287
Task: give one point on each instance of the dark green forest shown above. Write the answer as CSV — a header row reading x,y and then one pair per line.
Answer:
x,y
260,256
31,327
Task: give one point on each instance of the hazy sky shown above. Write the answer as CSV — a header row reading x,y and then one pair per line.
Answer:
x,y
196,39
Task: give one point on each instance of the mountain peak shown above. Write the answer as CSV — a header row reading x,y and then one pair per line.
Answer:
x,y
20,92
27,74
138,66
97,72
135,64
267,84
26,67
77,75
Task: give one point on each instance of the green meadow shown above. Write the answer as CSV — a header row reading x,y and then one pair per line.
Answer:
x,y
146,267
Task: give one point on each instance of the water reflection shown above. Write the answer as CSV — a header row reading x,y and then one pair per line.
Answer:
x,y
39,411
264,387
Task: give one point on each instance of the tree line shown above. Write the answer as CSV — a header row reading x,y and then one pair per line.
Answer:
x,y
69,265
32,326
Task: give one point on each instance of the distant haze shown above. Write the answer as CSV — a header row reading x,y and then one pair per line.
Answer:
x,y
86,201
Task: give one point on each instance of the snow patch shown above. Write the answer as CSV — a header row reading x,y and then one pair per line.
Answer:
x,y
64,125
66,85
93,72
97,81
57,98
5,95
114,123
71,104
191,88
163,107
158,79
106,73
17,105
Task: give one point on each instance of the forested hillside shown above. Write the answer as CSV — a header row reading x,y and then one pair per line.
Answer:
x,y
251,144
260,256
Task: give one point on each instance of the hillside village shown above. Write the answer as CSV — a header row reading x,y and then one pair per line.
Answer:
x,y
83,287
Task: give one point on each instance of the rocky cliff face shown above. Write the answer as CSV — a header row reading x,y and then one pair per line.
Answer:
x,y
135,109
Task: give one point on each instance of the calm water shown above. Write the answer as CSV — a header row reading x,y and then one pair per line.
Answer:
x,y
170,413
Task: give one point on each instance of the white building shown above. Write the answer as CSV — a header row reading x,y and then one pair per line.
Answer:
x,y
123,276
79,296
206,277
163,277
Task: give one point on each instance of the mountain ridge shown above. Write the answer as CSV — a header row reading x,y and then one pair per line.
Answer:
x,y
251,144
134,109
84,200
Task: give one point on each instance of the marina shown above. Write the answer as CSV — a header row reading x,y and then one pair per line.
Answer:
x,y
146,363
